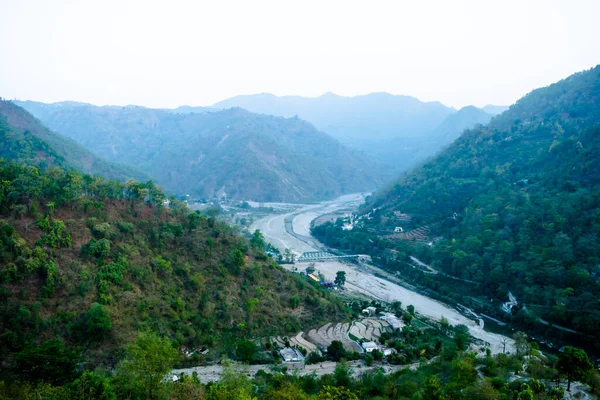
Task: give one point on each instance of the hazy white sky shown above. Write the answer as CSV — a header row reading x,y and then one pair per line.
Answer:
x,y
169,53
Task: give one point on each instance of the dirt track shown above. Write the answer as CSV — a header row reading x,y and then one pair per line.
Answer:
x,y
212,373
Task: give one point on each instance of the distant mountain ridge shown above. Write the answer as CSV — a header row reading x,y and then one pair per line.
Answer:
x,y
465,118
511,207
351,119
407,153
231,153
494,110
398,131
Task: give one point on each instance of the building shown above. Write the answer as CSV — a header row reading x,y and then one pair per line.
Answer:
x,y
292,357
368,347
391,319
388,351
369,311
313,277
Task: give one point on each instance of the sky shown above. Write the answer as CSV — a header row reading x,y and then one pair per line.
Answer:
x,y
171,53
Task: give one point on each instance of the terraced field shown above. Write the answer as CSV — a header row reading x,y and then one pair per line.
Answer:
x,y
420,234
369,328
317,340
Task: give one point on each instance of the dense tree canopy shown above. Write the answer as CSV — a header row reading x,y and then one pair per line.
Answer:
x,y
511,207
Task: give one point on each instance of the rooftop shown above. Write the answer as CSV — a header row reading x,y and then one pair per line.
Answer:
x,y
290,354
370,346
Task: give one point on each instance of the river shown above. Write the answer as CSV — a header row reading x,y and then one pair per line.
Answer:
x,y
361,278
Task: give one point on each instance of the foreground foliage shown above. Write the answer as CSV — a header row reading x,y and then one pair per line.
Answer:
x,y
231,153
461,376
87,263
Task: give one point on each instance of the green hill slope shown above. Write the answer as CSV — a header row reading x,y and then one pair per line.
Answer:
x,y
86,263
26,140
231,153
513,206
379,116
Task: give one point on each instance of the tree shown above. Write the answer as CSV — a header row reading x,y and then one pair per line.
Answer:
x,y
336,393
526,393
245,350
336,350
310,269
461,336
50,361
556,393
521,343
288,256
411,309
187,388
231,386
342,375
432,389
97,321
147,362
504,342
340,278
294,301
287,391
92,386
444,325
574,363
258,240
237,261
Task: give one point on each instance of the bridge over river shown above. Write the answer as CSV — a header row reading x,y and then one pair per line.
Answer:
x,y
309,256
292,230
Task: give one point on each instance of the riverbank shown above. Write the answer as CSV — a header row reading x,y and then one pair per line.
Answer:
x,y
363,278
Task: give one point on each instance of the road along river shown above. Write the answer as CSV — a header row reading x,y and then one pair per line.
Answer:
x,y
361,278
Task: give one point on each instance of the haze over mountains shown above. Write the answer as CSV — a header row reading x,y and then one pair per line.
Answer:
x,y
399,131
510,207
231,154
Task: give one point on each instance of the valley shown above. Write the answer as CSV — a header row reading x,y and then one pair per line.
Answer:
x,y
363,278
308,202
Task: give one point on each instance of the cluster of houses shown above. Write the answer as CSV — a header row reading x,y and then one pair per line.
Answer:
x,y
369,347
293,358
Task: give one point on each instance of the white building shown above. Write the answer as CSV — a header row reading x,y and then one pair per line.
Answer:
x,y
291,355
391,319
370,346
369,311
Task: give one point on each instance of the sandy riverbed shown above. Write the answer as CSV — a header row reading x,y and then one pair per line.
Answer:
x,y
273,227
212,373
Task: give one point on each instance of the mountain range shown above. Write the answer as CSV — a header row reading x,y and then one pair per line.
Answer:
x,y
511,208
398,131
233,154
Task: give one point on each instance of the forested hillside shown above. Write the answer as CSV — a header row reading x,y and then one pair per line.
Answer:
x,y
25,140
511,207
375,116
398,131
87,263
231,153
